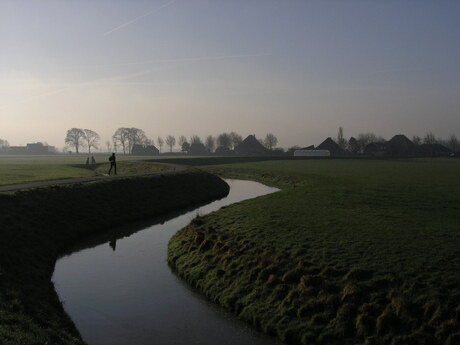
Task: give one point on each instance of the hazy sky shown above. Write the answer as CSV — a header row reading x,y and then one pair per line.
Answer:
x,y
299,69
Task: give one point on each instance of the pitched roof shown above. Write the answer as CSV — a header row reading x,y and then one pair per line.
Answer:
x,y
330,145
400,145
250,145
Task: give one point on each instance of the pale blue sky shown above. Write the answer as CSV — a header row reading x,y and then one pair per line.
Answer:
x,y
299,69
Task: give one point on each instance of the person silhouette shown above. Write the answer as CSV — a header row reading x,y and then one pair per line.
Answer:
x,y
93,161
113,163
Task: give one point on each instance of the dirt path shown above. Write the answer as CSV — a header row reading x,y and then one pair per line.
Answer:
x,y
172,168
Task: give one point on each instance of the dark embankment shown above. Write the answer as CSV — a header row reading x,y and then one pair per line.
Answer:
x,y
36,225
355,252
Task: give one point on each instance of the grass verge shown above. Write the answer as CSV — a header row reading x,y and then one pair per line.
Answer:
x,y
36,225
349,252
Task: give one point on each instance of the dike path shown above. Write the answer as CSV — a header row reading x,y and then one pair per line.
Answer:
x,y
172,168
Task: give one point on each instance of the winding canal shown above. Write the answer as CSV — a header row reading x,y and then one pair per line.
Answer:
x,y
121,290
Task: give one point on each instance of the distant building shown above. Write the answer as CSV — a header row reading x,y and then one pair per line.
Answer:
x,y
375,149
331,146
433,150
144,150
400,145
251,146
312,153
37,149
223,151
31,149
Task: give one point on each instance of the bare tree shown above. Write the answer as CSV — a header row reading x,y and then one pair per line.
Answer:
x,y
182,140
136,136
210,143
365,139
160,142
270,141
108,144
75,138
430,138
170,141
195,139
236,139
453,143
91,138
121,137
341,141
4,144
185,147
224,140
416,140
353,145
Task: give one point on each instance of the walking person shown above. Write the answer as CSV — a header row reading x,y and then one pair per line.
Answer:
x,y
113,163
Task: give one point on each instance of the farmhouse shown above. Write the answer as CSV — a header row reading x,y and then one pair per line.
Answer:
x,y
331,146
251,146
31,149
433,150
144,150
400,145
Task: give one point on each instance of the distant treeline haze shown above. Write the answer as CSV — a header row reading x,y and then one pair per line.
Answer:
x,y
125,138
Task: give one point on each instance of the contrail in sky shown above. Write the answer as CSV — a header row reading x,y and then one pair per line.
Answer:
x,y
191,59
129,22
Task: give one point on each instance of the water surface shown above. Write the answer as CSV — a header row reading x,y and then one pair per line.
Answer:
x,y
123,292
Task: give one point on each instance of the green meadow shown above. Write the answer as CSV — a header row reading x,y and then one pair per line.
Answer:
x,y
24,169
348,252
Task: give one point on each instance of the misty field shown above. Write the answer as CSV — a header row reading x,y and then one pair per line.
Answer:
x,y
349,252
24,169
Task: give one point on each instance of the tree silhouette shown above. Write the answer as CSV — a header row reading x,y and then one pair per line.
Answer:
x,y
160,142
185,147
182,140
170,141
341,141
210,143
224,140
270,141
195,139
430,138
74,138
91,138
236,139
121,137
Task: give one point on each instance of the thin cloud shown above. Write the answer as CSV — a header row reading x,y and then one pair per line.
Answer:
x,y
129,22
190,59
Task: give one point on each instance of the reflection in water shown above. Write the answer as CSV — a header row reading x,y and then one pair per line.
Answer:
x,y
130,296
113,244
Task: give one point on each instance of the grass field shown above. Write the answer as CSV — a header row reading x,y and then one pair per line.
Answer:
x,y
349,252
23,169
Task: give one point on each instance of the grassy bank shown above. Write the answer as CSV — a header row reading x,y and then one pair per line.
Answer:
x,y
36,225
24,169
349,252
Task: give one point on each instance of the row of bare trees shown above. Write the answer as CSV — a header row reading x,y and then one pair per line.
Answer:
x,y
357,145
125,138
77,137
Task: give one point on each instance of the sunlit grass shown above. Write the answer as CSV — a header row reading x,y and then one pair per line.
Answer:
x,y
24,169
348,252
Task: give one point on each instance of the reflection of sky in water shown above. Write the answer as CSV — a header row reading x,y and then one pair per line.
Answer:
x,y
130,296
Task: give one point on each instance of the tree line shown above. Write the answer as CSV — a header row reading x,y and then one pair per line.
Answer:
x,y
125,138
358,144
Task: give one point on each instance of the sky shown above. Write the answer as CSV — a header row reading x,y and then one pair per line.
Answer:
x,y
296,68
